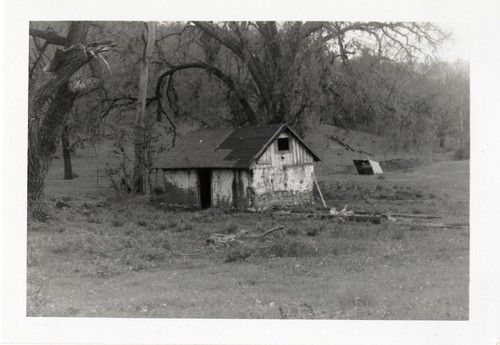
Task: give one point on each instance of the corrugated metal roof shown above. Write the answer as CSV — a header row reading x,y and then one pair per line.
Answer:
x,y
222,148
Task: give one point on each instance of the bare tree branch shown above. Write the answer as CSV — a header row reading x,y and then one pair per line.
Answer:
x,y
49,37
213,71
41,51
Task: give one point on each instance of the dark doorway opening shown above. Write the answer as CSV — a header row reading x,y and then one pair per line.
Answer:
x,y
205,188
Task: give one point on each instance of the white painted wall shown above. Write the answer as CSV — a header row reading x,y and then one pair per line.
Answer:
x,y
289,178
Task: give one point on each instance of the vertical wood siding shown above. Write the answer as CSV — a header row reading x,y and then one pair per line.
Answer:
x,y
229,187
181,186
222,192
297,153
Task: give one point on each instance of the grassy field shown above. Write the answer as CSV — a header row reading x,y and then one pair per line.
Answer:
x,y
103,254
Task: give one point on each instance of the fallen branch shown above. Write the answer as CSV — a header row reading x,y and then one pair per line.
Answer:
x,y
427,216
268,232
357,217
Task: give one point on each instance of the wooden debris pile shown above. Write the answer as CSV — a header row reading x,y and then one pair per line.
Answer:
x,y
344,215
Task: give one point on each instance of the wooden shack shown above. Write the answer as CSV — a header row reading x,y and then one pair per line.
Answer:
x,y
243,167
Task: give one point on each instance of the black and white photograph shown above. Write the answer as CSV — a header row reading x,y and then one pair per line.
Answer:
x,y
276,170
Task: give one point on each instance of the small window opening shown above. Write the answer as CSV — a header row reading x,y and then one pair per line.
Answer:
x,y
283,144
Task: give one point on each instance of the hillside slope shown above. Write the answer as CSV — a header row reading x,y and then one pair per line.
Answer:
x,y
336,158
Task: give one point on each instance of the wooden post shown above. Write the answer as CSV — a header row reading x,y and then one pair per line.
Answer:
x,y
97,176
319,190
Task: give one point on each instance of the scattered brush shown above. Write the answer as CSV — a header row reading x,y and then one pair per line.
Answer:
x,y
239,253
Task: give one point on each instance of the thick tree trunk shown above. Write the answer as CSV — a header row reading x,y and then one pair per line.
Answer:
x,y
142,121
68,170
50,100
42,141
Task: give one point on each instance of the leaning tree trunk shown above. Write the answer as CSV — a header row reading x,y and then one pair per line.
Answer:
x,y
45,121
42,141
142,121
51,97
68,170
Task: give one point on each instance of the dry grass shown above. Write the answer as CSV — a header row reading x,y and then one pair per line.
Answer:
x,y
120,256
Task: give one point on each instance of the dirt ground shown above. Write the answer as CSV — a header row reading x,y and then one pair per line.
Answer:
x,y
103,254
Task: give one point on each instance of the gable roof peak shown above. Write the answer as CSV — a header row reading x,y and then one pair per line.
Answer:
x,y
224,148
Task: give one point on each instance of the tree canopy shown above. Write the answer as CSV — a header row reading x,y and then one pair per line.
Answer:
x,y
379,77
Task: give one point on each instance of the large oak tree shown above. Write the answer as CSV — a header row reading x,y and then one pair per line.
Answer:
x,y
51,97
288,63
